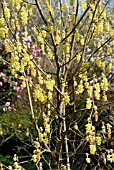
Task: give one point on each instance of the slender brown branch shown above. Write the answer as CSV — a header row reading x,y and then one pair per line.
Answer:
x,y
41,11
94,52
76,24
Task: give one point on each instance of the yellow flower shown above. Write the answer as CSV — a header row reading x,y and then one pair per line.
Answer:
x,y
88,103
40,39
86,85
24,16
92,7
63,34
50,55
89,90
90,15
12,3
57,39
76,126
23,84
104,97
8,46
7,12
76,36
48,8
16,166
88,127
97,91
40,80
45,141
107,26
82,41
92,149
83,6
41,97
22,68
34,158
50,95
18,46
12,71
103,128
43,33
96,116
78,57
59,6
50,84
112,157
2,32
100,26
75,83
108,157
66,99
1,132
10,168
2,22
98,140
80,88
47,129
15,158
72,2
59,21
88,160
108,68
47,2
104,84
67,57
40,137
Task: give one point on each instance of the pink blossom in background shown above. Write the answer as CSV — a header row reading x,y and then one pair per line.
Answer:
x,y
28,39
7,104
40,59
4,63
19,96
33,46
35,51
9,81
38,49
1,84
4,80
9,108
15,83
28,44
21,88
17,89
22,34
17,35
2,74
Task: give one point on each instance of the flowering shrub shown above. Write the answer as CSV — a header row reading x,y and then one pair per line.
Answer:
x,y
71,84
7,83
